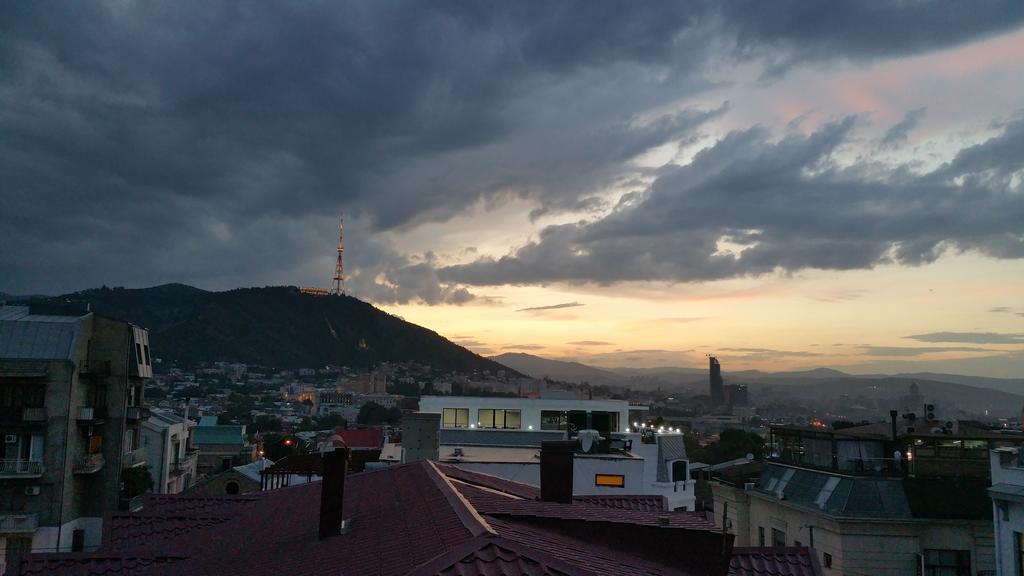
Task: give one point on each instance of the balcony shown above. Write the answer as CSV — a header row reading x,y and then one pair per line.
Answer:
x,y
29,414
18,523
136,413
18,468
134,458
183,465
89,416
18,415
89,464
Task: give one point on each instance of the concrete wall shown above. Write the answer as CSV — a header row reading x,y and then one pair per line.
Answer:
x,y
1007,510
879,547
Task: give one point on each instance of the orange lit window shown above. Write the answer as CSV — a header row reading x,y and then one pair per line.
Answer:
x,y
610,480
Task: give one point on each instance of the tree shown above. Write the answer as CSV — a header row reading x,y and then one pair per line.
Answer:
x,y
136,481
373,413
262,424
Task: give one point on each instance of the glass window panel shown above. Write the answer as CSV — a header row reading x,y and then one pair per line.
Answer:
x,y
513,419
485,418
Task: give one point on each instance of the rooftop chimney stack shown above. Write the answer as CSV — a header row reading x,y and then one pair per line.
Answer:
x,y
332,492
556,460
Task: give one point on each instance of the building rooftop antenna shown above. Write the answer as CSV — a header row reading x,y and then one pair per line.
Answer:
x,y
339,268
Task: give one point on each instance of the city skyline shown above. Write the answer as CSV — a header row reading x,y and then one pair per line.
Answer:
x,y
618,186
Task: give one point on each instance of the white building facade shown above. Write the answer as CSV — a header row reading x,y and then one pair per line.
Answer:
x,y
169,453
1007,494
502,437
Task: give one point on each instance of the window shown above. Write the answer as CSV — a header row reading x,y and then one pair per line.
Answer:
x,y
610,480
508,419
553,420
679,471
455,418
828,560
78,540
947,563
1020,552
778,538
138,354
797,543
145,350
760,536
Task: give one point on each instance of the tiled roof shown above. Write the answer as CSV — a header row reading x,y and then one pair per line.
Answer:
x,y
774,562
366,438
412,519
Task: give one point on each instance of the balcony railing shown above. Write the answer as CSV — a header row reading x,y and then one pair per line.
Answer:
x,y
134,458
19,468
135,413
18,523
89,464
89,415
33,414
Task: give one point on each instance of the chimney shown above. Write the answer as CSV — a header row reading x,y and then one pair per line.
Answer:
x,y
332,492
421,436
892,418
556,459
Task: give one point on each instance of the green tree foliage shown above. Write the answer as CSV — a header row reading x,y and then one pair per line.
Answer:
x,y
263,424
372,413
136,481
731,444
236,410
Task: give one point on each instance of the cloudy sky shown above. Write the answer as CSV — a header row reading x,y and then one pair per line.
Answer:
x,y
783,184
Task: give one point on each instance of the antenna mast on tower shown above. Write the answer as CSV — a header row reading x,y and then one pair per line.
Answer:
x,y
339,268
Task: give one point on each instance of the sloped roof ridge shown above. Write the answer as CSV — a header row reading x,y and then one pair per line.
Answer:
x,y
546,563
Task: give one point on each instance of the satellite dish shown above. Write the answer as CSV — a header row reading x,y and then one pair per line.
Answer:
x,y
750,456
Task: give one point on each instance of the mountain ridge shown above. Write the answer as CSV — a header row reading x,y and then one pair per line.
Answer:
x,y
275,326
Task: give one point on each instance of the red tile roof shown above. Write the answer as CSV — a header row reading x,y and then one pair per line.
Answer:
x,y
774,562
361,439
413,519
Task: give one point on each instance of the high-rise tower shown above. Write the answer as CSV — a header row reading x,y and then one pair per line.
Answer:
x,y
339,267
717,388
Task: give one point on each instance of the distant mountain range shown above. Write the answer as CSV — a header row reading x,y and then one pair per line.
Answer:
x,y
970,394
276,326
557,369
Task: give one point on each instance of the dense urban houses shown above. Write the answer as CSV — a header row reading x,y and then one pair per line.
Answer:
x,y
169,452
221,446
1007,493
71,392
502,436
898,498
420,518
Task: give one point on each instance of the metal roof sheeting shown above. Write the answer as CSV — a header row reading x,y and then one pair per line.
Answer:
x,y
35,337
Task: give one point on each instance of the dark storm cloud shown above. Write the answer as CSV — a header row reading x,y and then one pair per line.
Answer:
x,y
789,205
970,337
153,142
898,133
550,307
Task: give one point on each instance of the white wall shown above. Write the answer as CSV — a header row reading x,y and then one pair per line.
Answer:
x,y
530,408
1007,513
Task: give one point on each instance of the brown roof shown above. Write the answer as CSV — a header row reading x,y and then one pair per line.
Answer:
x,y
413,519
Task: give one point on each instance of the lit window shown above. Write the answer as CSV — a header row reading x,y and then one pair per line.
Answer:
x,y
553,420
490,418
610,480
455,418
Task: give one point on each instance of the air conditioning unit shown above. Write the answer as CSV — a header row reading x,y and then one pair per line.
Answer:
x,y
11,438
32,491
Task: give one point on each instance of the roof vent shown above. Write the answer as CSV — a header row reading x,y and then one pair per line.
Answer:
x,y
457,453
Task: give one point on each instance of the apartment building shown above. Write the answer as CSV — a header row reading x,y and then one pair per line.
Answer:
x,y
1007,494
900,498
169,451
71,394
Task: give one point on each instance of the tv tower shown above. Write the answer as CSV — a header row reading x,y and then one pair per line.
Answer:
x,y
339,268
